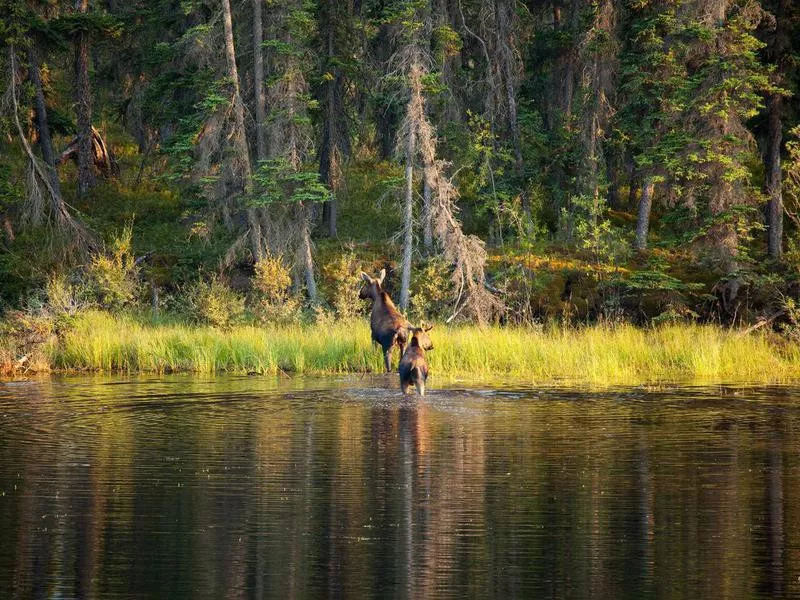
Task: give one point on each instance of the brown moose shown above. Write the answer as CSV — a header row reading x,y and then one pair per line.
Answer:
x,y
413,366
389,327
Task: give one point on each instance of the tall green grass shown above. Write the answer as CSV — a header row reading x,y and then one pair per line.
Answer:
x,y
598,354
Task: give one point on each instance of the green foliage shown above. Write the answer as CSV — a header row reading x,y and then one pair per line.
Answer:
x,y
113,274
791,194
277,181
341,283
432,291
94,23
67,295
593,231
212,302
682,93
525,293
687,90
270,300
651,292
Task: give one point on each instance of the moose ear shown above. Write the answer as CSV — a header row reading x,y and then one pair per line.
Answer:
x,y
382,275
365,277
428,328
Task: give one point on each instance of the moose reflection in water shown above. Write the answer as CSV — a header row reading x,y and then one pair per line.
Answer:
x,y
181,488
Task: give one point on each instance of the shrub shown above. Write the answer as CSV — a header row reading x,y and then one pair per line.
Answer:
x,y
65,295
431,290
24,336
214,303
341,282
114,274
270,299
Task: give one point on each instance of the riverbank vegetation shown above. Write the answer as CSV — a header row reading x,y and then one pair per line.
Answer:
x,y
209,179
599,354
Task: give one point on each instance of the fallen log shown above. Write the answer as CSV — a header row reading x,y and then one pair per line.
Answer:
x,y
104,159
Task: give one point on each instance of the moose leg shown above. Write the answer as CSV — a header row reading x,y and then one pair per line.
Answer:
x,y
387,359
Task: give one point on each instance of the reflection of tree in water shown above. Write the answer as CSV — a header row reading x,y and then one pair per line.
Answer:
x,y
303,498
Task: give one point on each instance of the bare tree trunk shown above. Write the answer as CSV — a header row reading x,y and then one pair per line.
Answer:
x,y
427,213
408,223
240,135
258,80
643,219
83,106
772,167
233,74
43,128
306,257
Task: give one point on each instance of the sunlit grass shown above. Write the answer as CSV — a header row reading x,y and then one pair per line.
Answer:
x,y
597,354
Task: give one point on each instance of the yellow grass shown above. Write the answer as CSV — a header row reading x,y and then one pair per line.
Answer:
x,y
598,354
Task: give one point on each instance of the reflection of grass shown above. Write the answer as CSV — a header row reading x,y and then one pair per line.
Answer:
x,y
599,354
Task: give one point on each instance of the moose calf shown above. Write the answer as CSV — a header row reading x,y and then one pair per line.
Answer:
x,y
413,366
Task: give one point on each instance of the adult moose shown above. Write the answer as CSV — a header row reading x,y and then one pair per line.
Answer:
x,y
389,327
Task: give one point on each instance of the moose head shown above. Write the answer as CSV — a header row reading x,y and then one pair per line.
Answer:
x,y
420,337
372,287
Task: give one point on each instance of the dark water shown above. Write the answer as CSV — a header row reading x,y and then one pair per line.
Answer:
x,y
252,488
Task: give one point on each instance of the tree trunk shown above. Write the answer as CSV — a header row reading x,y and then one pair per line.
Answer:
x,y
427,214
258,80
408,223
332,213
643,220
306,257
330,125
240,135
613,180
83,106
633,190
504,15
43,128
772,167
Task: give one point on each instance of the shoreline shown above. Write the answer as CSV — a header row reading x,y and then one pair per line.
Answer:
x,y
100,342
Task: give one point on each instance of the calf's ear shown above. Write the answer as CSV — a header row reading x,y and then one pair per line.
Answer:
x,y
382,276
428,328
365,277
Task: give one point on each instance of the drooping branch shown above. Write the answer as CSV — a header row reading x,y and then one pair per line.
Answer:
x,y
37,210
466,253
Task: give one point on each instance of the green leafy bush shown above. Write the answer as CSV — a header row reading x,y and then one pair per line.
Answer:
x,y
214,303
113,274
431,291
341,282
270,300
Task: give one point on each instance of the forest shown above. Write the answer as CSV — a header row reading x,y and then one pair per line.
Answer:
x,y
507,162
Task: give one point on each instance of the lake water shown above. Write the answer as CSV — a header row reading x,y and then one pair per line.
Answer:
x,y
179,487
